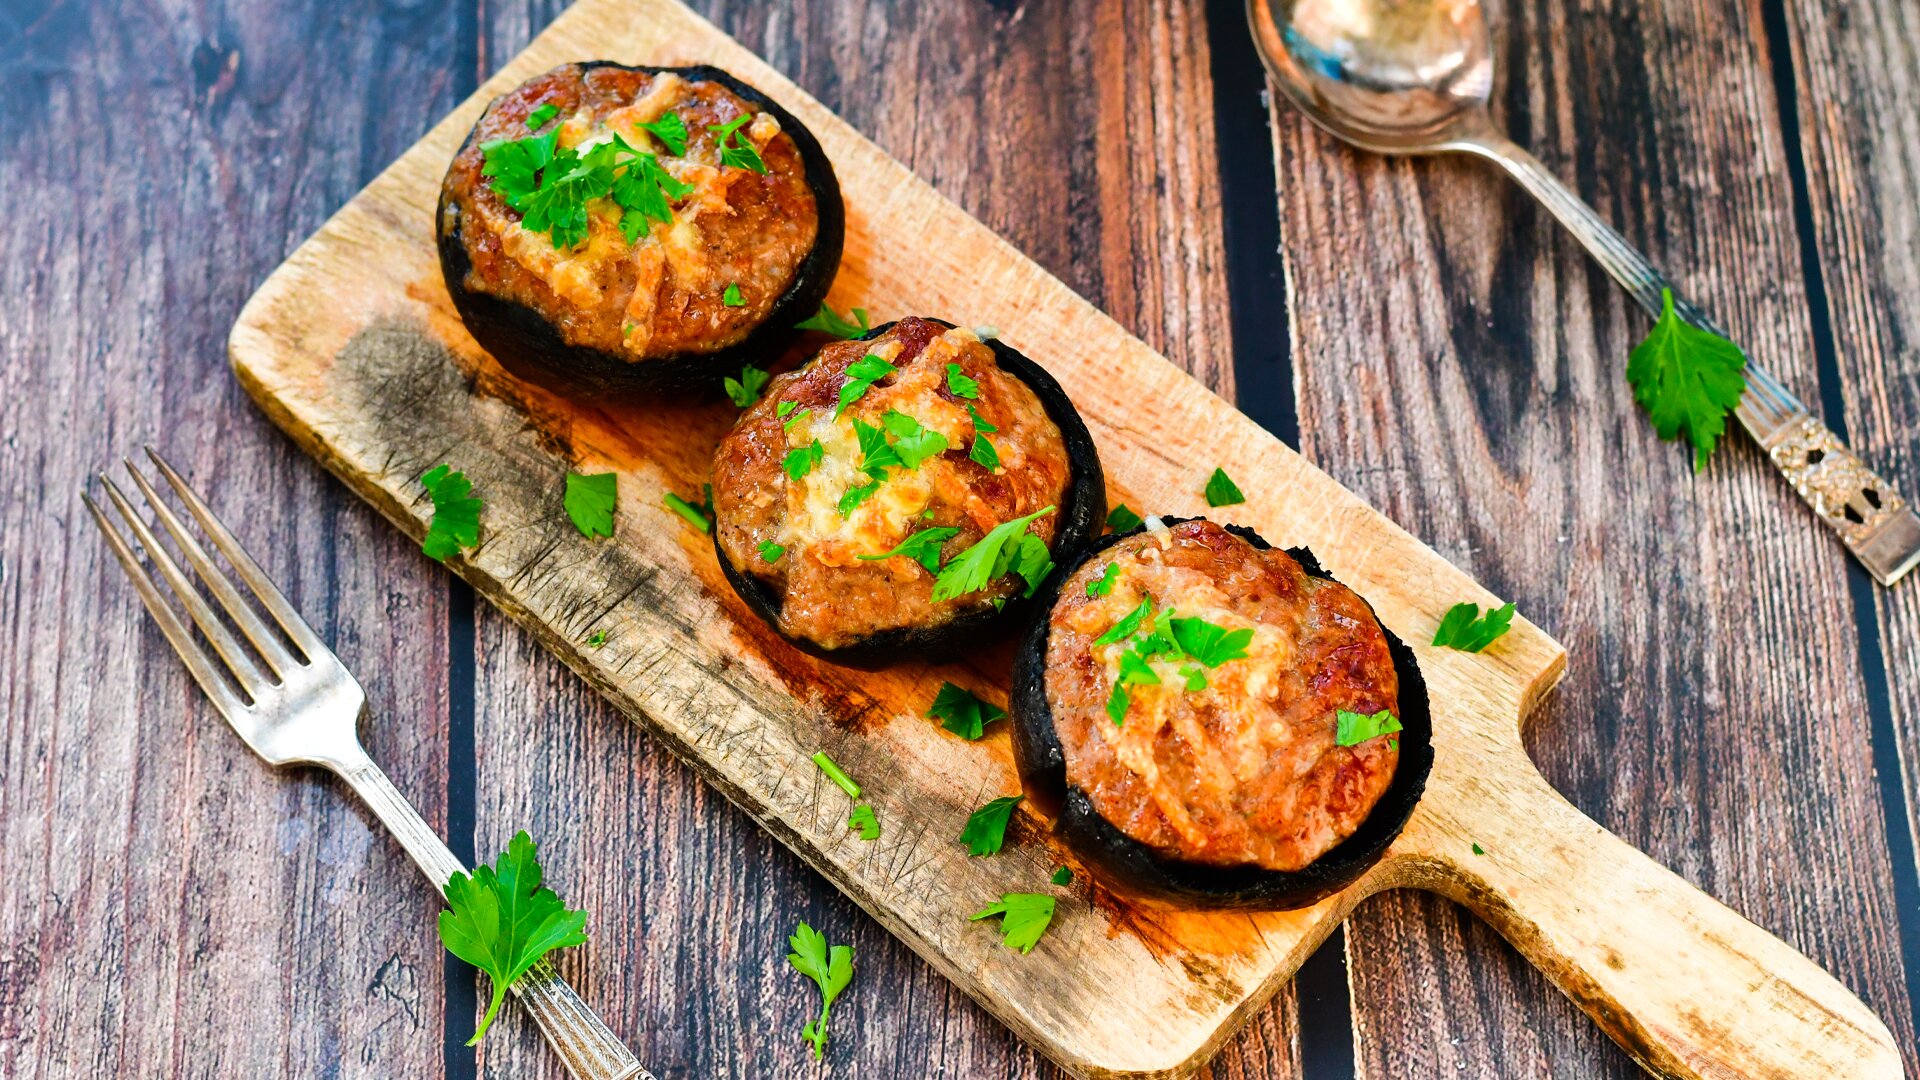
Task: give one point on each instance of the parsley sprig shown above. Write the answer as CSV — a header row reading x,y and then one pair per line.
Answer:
x,y
995,555
589,502
502,921
1465,629
552,188
831,969
830,321
1687,379
922,547
456,513
986,829
1023,918
962,712
1352,728
736,150
745,390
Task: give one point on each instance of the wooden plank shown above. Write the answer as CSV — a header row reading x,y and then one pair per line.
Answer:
x,y
1856,67
719,895
173,907
1717,684
358,314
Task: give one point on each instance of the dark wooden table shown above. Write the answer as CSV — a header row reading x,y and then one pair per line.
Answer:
x,y
1741,701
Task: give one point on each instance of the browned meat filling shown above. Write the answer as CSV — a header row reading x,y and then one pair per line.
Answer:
x,y
790,481
1245,770
666,293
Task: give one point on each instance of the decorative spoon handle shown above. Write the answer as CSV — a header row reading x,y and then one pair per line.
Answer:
x,y
1873,520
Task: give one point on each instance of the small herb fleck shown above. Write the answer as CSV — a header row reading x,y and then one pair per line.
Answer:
x,y
1062,876
1222,491
770,551
731,296
687,510
841,780
1465,629
538,118
1122,519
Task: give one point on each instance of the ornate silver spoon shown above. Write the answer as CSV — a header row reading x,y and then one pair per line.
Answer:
x,y
1413,77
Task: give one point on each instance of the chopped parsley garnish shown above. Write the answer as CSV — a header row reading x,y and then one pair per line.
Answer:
x,y
1122,519
829,321
841,780
851,499
876,454
983,454
1196,679
801,460
787,407
830,969
515,164
1062,876
502,921
987,827
980,565
671,131
922,547
646,190
861,375
1033,562
912,442
538,118
551,188
1687,379
598,639
961,384
770,551
456,513
1103,585
1023,918
589,501
695,516
980,423
1209,643
784,408
863,822
745,390
1478,850
963,713
1352,729
736,149
1465,629
731,295
1128,624
1222,491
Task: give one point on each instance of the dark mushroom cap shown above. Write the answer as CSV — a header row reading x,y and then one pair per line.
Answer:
x,y
1136,869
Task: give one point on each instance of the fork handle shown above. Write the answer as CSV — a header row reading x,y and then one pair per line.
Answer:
x,y
1870,517
586,1046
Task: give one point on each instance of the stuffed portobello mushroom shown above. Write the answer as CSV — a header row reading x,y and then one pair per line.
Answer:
x,y
1215,722
907,492
617,228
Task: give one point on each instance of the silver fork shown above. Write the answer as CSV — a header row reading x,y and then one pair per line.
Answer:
x,y
300,706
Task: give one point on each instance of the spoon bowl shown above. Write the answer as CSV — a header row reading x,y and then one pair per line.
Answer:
x,y
1393,76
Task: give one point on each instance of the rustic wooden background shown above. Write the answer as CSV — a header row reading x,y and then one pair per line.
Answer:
x,y
1740,701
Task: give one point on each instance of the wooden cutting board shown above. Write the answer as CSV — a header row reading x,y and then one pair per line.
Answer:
x,y
353,347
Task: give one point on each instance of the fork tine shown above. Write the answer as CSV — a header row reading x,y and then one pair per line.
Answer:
x,y
246,671
265,640
263,587
178,636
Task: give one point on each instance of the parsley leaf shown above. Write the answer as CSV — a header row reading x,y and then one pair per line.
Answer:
x,y
694,514
801,460
1209,643
745,390
589,501
1062,876
922,547
961,384
1103,585
963,713
1196,679
671,131
861,375
1032,562
975,568
912,442
456,514
851,499
1128,624
1687,379
1222,491
598,639
646,190
826,319
771,551
841,780
502,921
558,207
1023,918
515,164
731,295
830,969
863,822
735,148
1353,729
983,454
876,454
980,423
1117,703
1465,629
987,827
538,118
1122,519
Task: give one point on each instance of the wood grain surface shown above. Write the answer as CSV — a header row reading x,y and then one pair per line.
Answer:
x,y
124,271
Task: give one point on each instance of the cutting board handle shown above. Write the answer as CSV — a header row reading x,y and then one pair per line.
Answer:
x,y
1686,985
